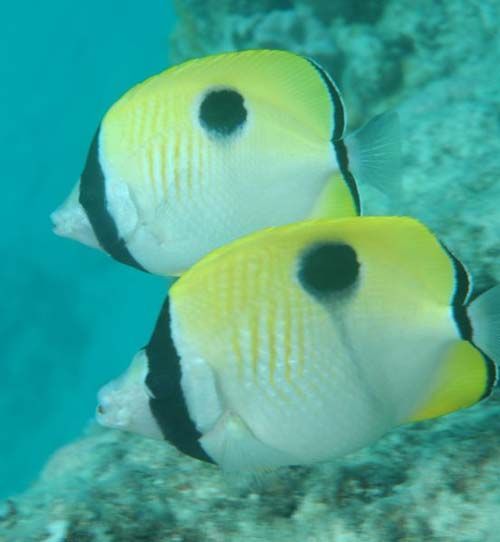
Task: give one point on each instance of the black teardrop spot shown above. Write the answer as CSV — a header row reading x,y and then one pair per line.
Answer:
x,y
222,112
328,268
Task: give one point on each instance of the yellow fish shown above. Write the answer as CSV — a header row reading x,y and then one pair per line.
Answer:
x,y
219,147
306,342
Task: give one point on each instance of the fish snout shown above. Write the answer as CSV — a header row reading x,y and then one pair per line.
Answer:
x,y
111,410
70,220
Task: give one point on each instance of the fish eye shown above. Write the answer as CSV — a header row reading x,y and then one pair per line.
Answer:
x,y
100,410
327,268
222,112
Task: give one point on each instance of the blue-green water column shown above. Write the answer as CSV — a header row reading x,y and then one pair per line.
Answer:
x,y
70,318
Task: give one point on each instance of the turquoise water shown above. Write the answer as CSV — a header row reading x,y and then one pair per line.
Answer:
x,y
65,323
72,318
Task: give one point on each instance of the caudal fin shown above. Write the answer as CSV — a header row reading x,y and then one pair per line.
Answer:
x,y
375,152
484,314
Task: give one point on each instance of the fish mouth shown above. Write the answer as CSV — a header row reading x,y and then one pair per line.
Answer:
x,y
70,220
111,410
102,408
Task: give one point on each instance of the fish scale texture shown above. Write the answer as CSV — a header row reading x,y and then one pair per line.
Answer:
x,y
435,481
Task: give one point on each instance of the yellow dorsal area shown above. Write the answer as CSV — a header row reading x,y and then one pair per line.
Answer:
x,y
335,200
402,256
238,293
289,112
283,83
462,380
397,254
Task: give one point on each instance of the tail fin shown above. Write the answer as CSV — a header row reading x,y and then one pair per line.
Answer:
x,y
484,314
375,152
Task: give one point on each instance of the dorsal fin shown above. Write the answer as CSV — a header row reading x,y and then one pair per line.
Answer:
x,y
463,289
287,82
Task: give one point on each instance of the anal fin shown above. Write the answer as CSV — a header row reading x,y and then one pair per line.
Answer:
x,y
335,201
466,376
233,445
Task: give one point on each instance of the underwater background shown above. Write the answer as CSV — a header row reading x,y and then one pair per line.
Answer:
x,y
62,304
72,318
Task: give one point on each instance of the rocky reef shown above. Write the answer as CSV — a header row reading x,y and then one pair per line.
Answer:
x,y
436,480
436,62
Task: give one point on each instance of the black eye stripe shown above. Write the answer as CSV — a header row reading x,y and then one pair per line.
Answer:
x,y
326,268
222,112
93,199
168,405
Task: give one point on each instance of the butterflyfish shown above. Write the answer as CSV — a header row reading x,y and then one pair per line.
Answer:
x,y
219,147
306,342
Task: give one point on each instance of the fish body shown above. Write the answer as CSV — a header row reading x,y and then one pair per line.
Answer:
x,y
216,148
306,342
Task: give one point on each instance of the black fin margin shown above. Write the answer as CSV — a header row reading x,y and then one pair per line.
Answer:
x,y
339,123
168,404
339,120
93,199
492,375
343,161
462,296
463,286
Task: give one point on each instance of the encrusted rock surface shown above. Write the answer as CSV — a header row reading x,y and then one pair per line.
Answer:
x,y
437,64
434,481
